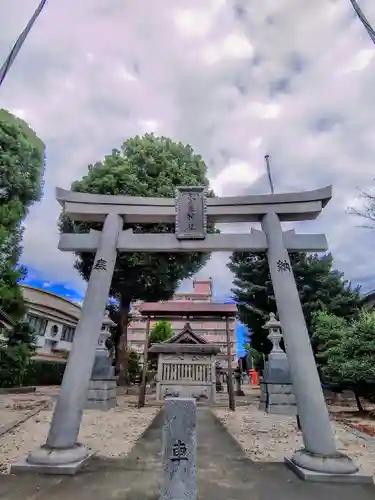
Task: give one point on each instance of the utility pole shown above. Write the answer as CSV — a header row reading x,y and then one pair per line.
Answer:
x,y
268,166
20,41
370,30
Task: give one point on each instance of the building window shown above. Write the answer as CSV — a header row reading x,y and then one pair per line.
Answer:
x,y
38,324
68,333
54,330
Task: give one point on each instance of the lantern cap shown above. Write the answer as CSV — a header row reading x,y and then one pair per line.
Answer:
x,y
272,322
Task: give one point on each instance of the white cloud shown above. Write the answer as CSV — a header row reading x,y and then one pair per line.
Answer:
x,y
236,45
230,179
265,111
126,75
193,23
361,60
21,113
149,125
289,78
256,142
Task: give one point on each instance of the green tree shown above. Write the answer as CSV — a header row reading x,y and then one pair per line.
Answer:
x,y
11,299
14,364
255,358
21,333
328,330
144,166
21,172
17,346
134,365
350,362
160,332
320,287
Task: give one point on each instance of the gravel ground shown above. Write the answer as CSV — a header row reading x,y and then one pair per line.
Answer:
x,y
15,406
269,438
109,433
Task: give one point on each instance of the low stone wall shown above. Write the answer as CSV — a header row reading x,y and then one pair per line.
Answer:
x,y
17,390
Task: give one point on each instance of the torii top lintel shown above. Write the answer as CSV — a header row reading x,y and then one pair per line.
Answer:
x,y
303,205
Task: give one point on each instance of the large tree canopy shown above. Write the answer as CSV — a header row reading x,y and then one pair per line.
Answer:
x,y
143,166
320,287
346,352
11,300
21,172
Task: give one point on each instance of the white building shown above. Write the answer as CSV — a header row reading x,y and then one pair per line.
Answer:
x,y
54,319
206,319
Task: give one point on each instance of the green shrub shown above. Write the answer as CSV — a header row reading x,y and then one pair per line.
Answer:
x,y
43,372
160,332
134,368
15,362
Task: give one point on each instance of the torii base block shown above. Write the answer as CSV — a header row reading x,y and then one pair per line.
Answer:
x,y
360,477
56,462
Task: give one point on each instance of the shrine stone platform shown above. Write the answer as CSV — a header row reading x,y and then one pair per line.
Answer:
x,y
223,472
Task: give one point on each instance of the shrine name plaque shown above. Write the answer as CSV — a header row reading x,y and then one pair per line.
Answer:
x,y
191,219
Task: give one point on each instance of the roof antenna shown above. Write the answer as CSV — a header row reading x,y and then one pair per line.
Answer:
x,y
267,158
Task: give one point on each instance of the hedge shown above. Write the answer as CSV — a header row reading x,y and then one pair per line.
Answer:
x,y
43,372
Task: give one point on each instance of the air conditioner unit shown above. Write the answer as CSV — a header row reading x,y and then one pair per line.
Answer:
x,y
53,332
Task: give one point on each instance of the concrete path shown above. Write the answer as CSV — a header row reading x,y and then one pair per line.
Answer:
x,y
224,473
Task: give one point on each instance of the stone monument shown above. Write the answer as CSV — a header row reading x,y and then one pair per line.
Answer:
x,y
190,211
102,387
276,388
179,450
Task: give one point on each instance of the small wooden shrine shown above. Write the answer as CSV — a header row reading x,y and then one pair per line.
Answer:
x,y
186,367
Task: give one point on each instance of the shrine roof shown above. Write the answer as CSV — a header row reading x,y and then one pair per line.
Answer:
x,y
176,308
186,334
186,341
203,349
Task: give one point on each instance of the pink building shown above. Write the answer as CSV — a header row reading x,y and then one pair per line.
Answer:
x,y
206,318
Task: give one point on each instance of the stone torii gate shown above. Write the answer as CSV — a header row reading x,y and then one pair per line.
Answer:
x,y
191,211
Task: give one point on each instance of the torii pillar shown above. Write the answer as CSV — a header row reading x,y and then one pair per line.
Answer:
x,y
62,454
319,453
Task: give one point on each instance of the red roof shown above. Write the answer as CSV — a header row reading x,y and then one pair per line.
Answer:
x,y
175,308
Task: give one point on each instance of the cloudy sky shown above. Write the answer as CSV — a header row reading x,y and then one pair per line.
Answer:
x,y
235,79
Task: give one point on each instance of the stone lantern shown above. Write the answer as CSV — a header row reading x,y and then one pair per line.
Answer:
x,y
276,388
277,367
102,387
105,332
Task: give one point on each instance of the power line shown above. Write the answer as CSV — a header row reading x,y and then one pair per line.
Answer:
x,y
370,30
20,41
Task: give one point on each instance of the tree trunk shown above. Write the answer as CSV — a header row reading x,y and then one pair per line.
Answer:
x,y
358,401
122,348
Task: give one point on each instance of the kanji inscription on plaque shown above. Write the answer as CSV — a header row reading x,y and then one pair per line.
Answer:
x,y
191,217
